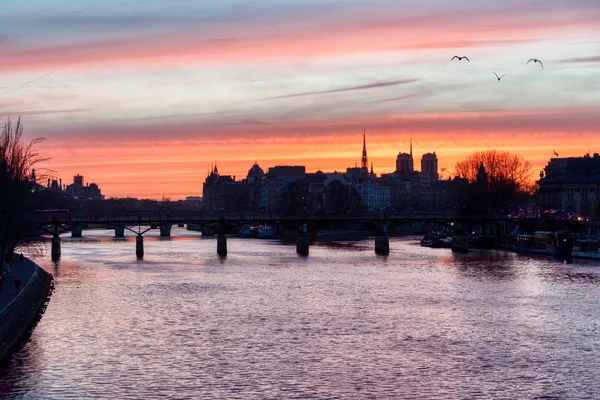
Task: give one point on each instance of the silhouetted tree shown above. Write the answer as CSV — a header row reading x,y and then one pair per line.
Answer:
x,y
508,177
342,199
294,199
17,160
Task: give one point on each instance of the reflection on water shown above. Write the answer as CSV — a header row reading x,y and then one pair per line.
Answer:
x,y
342,323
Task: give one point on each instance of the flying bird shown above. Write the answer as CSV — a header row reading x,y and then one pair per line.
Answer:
x,y
460,58
535,60
499,77
555,153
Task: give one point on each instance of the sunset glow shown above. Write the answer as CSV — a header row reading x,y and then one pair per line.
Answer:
x,y
143,97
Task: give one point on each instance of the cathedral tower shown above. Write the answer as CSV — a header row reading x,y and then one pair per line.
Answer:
x,y
364,163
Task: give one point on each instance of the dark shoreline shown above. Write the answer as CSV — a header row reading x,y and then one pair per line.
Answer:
x,y
20,314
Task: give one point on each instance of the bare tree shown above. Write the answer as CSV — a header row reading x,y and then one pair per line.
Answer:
x,y
17,161
17,158
502,168
294,199
509,178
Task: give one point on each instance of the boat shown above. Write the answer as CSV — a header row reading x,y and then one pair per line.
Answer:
x,y
248,232
260,232
431,241
446,242
437,239
266,232
587,247
549,243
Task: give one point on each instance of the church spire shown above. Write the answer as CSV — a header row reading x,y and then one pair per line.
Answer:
x,y
411,147
364,162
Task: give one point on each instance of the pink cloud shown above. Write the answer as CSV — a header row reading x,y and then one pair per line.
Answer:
x,y
393,34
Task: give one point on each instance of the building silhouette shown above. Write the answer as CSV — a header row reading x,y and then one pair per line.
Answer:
x,y
429,165
78,190
404,162
78,179
364,162
258,195
223,193
571,185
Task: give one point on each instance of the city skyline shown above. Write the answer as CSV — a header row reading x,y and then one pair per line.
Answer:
x,y
144,96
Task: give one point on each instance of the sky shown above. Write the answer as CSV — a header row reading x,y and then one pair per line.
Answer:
x,y
144,96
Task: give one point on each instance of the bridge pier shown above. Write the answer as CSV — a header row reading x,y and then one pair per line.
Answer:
x,y
139,246
77,231
119,231
302,242
221,245
55,250
382,243
165,230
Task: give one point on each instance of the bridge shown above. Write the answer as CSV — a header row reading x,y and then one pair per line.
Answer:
x,y
56,222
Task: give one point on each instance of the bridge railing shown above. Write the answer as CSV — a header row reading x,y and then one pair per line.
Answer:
x,y
185,217
150,217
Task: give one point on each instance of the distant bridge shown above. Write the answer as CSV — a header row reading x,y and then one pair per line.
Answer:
x,y
56,222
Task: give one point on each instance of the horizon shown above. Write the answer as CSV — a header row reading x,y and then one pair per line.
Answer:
x,y
143,97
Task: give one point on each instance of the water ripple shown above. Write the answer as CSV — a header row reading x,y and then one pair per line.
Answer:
x,y
340,324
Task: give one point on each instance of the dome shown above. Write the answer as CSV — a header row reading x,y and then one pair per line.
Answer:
x,y
255,172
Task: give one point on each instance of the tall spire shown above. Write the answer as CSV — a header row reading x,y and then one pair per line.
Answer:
x,y
363,162
411,147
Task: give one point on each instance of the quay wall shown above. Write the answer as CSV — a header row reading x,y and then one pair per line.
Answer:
x,y
19,316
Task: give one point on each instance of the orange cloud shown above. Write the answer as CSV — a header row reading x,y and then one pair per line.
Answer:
x,y
128,165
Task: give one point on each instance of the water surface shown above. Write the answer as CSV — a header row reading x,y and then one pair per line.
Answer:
x,y
343,323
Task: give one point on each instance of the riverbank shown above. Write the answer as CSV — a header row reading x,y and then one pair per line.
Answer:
x,y
21,309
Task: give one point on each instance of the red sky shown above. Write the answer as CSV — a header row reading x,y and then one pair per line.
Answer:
x,y
143,98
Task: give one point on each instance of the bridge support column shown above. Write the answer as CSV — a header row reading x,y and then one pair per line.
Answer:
x,y
139,246
77,231
382,243
165,230
302,242
120,231
221,245
55,250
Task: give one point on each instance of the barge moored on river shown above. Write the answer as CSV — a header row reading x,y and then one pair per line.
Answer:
x,y
559,244
587,247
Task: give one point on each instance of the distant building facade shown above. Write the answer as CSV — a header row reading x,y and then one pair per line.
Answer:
x,y
222,193
403,190
277,179
429,166
78,179
571,185
77,189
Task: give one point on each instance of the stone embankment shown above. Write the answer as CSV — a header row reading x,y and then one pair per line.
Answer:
x,y
20,309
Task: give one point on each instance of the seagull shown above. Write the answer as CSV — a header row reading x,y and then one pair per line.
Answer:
x,y
555,153
499,77
535,60
460,58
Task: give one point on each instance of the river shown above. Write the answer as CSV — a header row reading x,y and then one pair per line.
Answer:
x,y
342,323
